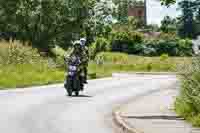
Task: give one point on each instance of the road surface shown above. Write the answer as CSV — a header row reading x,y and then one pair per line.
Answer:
x,y
49,110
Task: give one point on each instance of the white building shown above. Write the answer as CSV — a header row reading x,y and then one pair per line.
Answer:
x,y
196,45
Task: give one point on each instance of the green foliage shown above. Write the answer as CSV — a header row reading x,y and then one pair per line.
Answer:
x,y
188,102
22,75
168,2
185,46
135,43
133,23
120,62
32,69
170,46
100,19
128,42
42,22
168,25
122,10
58,51
16,53
22,66
100,44
164,57
188,23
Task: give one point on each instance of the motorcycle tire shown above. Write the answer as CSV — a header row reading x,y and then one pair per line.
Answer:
x,y
77,93
69,91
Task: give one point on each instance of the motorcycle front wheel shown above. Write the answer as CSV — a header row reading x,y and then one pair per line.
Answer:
x,y
69,87
77,93
69,91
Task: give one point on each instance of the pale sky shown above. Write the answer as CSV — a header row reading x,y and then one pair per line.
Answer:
x,y
156,12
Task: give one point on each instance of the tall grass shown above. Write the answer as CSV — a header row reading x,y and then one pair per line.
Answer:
x,y
15,53
23,75
22,66
188,102
140,63
106,63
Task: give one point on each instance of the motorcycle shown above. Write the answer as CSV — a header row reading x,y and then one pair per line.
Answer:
x,y
73,76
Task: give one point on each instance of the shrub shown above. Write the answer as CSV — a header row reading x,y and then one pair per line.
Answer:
x,y
126,42
16,53
172,47
167,47
185,47
100,45
164,57
134,43
188,102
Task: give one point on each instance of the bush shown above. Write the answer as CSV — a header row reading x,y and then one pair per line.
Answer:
x,y
164,57
185,47
126,42
134,43
172,47
16,53
100,45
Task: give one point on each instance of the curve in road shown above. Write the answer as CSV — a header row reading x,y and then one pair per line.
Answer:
x,y
49,110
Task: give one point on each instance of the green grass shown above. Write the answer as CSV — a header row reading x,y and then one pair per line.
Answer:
x,y
128,63
187,103
186,110
23,73
14,76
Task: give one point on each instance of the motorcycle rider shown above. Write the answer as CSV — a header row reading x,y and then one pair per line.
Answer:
x,y
85,53
74,52
77,52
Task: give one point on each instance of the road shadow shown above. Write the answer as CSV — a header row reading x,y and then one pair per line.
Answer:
x,y
86,96
164,117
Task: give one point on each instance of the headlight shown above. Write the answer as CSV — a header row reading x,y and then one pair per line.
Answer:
x,y
72,68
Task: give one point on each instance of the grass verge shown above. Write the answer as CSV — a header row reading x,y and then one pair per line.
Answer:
x,y
23,75
187,103
26,74
186,111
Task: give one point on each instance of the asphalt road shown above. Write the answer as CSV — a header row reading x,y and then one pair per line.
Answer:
x,y
49,110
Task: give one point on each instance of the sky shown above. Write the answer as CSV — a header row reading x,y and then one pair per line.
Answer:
x,y
156,12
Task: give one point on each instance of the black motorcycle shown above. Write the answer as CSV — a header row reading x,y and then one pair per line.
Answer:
x,y
73,76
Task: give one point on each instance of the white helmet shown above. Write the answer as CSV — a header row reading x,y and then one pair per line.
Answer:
x,y
83,41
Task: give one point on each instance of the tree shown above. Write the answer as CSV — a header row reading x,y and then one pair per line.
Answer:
x,y
168,2
168,25
186,21
101,18
133,23
44,22
198,15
